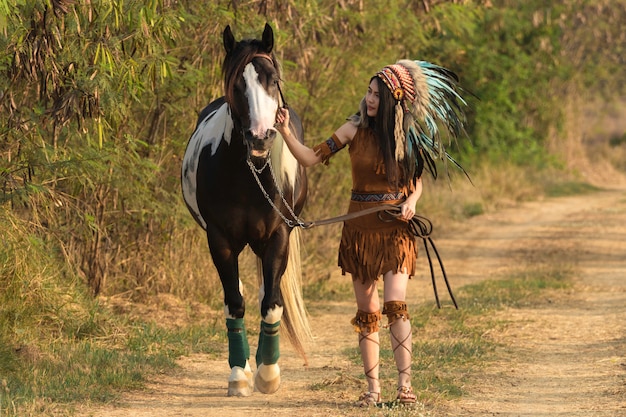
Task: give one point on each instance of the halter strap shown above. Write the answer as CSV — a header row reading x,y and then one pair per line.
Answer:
x,y
280,91
266,56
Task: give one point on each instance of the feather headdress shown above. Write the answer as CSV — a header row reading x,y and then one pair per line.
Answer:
x,y
428,100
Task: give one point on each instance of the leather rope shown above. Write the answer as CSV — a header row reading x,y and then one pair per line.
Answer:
x,y
389,208
420,226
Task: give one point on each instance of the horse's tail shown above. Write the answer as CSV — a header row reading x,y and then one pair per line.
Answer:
x,y
295,320
295,316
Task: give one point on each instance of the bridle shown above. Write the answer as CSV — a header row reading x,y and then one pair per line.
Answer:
x,y
280,91
295,221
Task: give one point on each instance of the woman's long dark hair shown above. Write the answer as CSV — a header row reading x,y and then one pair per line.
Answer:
x,y
383,125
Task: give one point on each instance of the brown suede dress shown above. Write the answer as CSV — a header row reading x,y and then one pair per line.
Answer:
x,y
369,246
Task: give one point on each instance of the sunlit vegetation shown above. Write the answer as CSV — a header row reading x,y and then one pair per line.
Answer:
x,y
98,99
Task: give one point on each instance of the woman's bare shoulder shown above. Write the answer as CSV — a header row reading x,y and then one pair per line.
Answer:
x,y
346,132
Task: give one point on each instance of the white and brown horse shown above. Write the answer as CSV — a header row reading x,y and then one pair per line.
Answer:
x,y
244,187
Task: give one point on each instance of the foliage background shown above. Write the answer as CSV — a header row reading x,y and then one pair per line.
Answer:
x,y
98,99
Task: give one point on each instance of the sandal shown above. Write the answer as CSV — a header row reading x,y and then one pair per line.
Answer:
x,y
406,395
369,398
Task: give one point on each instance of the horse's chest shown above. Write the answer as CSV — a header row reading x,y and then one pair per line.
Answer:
x,y
237,205
245,223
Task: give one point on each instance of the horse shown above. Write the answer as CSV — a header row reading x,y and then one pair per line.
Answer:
x,y
242,185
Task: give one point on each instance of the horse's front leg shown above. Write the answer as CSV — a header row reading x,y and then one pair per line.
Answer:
x,y
225,258
274,261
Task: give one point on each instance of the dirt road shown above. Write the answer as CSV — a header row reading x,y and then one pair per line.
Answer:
x,y
566,357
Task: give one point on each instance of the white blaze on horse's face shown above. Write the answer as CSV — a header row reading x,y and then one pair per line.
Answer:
x,y
263,107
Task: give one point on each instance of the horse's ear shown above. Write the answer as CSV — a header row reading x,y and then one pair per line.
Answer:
x,y
268,38
229,39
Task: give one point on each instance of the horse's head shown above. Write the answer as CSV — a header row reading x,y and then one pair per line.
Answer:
x,y
251,77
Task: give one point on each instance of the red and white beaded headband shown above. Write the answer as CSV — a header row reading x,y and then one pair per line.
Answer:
x,y
399,81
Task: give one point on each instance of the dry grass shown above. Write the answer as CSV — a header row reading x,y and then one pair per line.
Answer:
x,y
586,143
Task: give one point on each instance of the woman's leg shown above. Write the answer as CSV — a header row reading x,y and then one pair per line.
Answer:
x,y
395,309
367,324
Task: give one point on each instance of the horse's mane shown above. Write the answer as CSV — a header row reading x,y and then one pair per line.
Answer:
x,y
237,59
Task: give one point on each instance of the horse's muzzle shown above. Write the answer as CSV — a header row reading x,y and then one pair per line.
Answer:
x,y
259,147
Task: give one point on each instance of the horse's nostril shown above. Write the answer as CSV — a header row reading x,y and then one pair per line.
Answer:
x,y
271,133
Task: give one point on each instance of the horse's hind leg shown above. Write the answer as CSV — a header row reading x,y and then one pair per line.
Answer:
x,y
225,260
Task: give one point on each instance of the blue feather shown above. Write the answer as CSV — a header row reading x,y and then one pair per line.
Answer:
x,y
444,116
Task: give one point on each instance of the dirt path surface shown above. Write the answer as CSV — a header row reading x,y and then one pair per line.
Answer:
x,y
568,357
565,357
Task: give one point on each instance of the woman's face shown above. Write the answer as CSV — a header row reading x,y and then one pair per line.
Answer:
x,y
372,99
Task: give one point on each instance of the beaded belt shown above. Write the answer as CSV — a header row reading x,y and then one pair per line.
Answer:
x,y
374,197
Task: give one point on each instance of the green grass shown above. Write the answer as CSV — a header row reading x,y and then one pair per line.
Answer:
x,y
60,345
325,289
567,188
92,370
473,209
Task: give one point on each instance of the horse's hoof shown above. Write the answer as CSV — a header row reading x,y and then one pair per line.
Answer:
x,y
267,379
239,389
250,377
239,383
266,387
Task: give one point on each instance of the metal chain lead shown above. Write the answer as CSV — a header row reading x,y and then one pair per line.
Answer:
x,y
282,197
255,171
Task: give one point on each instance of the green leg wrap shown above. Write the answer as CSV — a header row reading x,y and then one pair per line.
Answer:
x,y
268,351
238,348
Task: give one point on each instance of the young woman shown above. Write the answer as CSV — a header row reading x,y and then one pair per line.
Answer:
x,y
387,166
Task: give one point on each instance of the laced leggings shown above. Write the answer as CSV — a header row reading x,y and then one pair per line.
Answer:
x,y
367,325
401,339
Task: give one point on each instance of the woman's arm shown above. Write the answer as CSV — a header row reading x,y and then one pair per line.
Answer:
x,y
408,207
305,155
